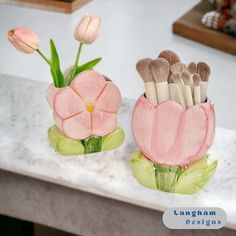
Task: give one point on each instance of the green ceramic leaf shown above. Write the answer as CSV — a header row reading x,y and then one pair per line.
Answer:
x,y
113,140
55,66
143,170
55,135
92,144
172,179
196,176
166,177
68,146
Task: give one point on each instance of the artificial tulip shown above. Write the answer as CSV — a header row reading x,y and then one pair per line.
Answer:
x,y
88,29
24,40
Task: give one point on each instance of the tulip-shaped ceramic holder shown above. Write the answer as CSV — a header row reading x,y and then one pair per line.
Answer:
x,y
85,114
173,144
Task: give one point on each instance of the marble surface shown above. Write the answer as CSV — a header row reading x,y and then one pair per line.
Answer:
x,y
24,120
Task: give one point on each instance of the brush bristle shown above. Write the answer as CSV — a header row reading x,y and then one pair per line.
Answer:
x,y
203,70
178,67
160,69
192,67
143,68
176,77
170,56
169,79
186,77
196,79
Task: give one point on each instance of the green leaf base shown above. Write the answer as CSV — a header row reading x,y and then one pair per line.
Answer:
x,y
172,178
67,146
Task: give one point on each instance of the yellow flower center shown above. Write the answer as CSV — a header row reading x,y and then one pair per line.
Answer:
x,y
90,107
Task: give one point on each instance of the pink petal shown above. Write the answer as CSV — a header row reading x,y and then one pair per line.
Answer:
x,y
68,103
88,85
193,134
81,28
92,30
110,98
166,133
103,123
143,123
79,126
51,92
27,36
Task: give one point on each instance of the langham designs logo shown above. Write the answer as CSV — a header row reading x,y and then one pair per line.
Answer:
x,y
194,218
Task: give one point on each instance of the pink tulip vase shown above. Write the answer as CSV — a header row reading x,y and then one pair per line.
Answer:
x,y
173,145
85,114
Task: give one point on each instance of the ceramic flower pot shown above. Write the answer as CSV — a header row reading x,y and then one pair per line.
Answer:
x,y
171,138
85,112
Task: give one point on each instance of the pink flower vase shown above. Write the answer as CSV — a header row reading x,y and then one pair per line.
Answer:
x,y
173,142
85,112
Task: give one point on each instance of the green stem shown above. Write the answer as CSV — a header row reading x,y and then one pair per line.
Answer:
x,y
42,55
76,63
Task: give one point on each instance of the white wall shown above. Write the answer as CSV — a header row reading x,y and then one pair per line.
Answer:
x,y
131,29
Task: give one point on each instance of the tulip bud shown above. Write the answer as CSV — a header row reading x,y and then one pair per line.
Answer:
x,y
88,29
23,40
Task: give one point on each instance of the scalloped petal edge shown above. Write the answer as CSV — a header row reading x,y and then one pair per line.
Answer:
x,y
172,178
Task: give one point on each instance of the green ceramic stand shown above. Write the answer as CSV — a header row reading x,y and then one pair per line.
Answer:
x,y
68,146
172,178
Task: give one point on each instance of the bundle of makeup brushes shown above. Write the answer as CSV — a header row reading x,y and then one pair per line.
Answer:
x,y
167,78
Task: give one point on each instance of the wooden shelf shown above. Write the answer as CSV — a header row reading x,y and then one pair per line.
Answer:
x,y
66,6
190,26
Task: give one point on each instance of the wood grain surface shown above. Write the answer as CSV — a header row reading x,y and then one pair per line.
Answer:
x,y
190,26
66,6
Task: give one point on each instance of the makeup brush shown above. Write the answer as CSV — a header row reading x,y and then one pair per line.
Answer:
x,y
187,89
178,67
197,88
160,71
179,88
204,71
192,67
143,68
170,56
172,89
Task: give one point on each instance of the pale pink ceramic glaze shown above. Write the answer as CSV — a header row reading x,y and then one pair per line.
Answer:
x,y
168,135
71,106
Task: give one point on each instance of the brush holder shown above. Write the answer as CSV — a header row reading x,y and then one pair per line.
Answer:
x,y
172,142
85,114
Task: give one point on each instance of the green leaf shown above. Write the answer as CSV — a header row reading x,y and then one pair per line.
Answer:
x,y
143,170
113,140
196,176
92,144
55,66
55,136
68,146
88,65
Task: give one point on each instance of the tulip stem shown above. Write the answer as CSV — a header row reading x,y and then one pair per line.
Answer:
x,y
42,55
76,63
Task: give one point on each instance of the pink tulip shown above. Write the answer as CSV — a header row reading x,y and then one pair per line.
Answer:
x,y
87,107
23,40
168,135
88,29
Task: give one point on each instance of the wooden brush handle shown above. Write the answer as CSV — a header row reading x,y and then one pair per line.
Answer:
x,y
188,96
197,94
150,90
173,93
162,91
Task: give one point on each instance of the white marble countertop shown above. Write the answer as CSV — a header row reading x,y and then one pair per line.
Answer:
x,y
24,120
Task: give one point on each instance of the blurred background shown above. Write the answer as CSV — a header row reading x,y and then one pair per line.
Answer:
x,y
131,30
